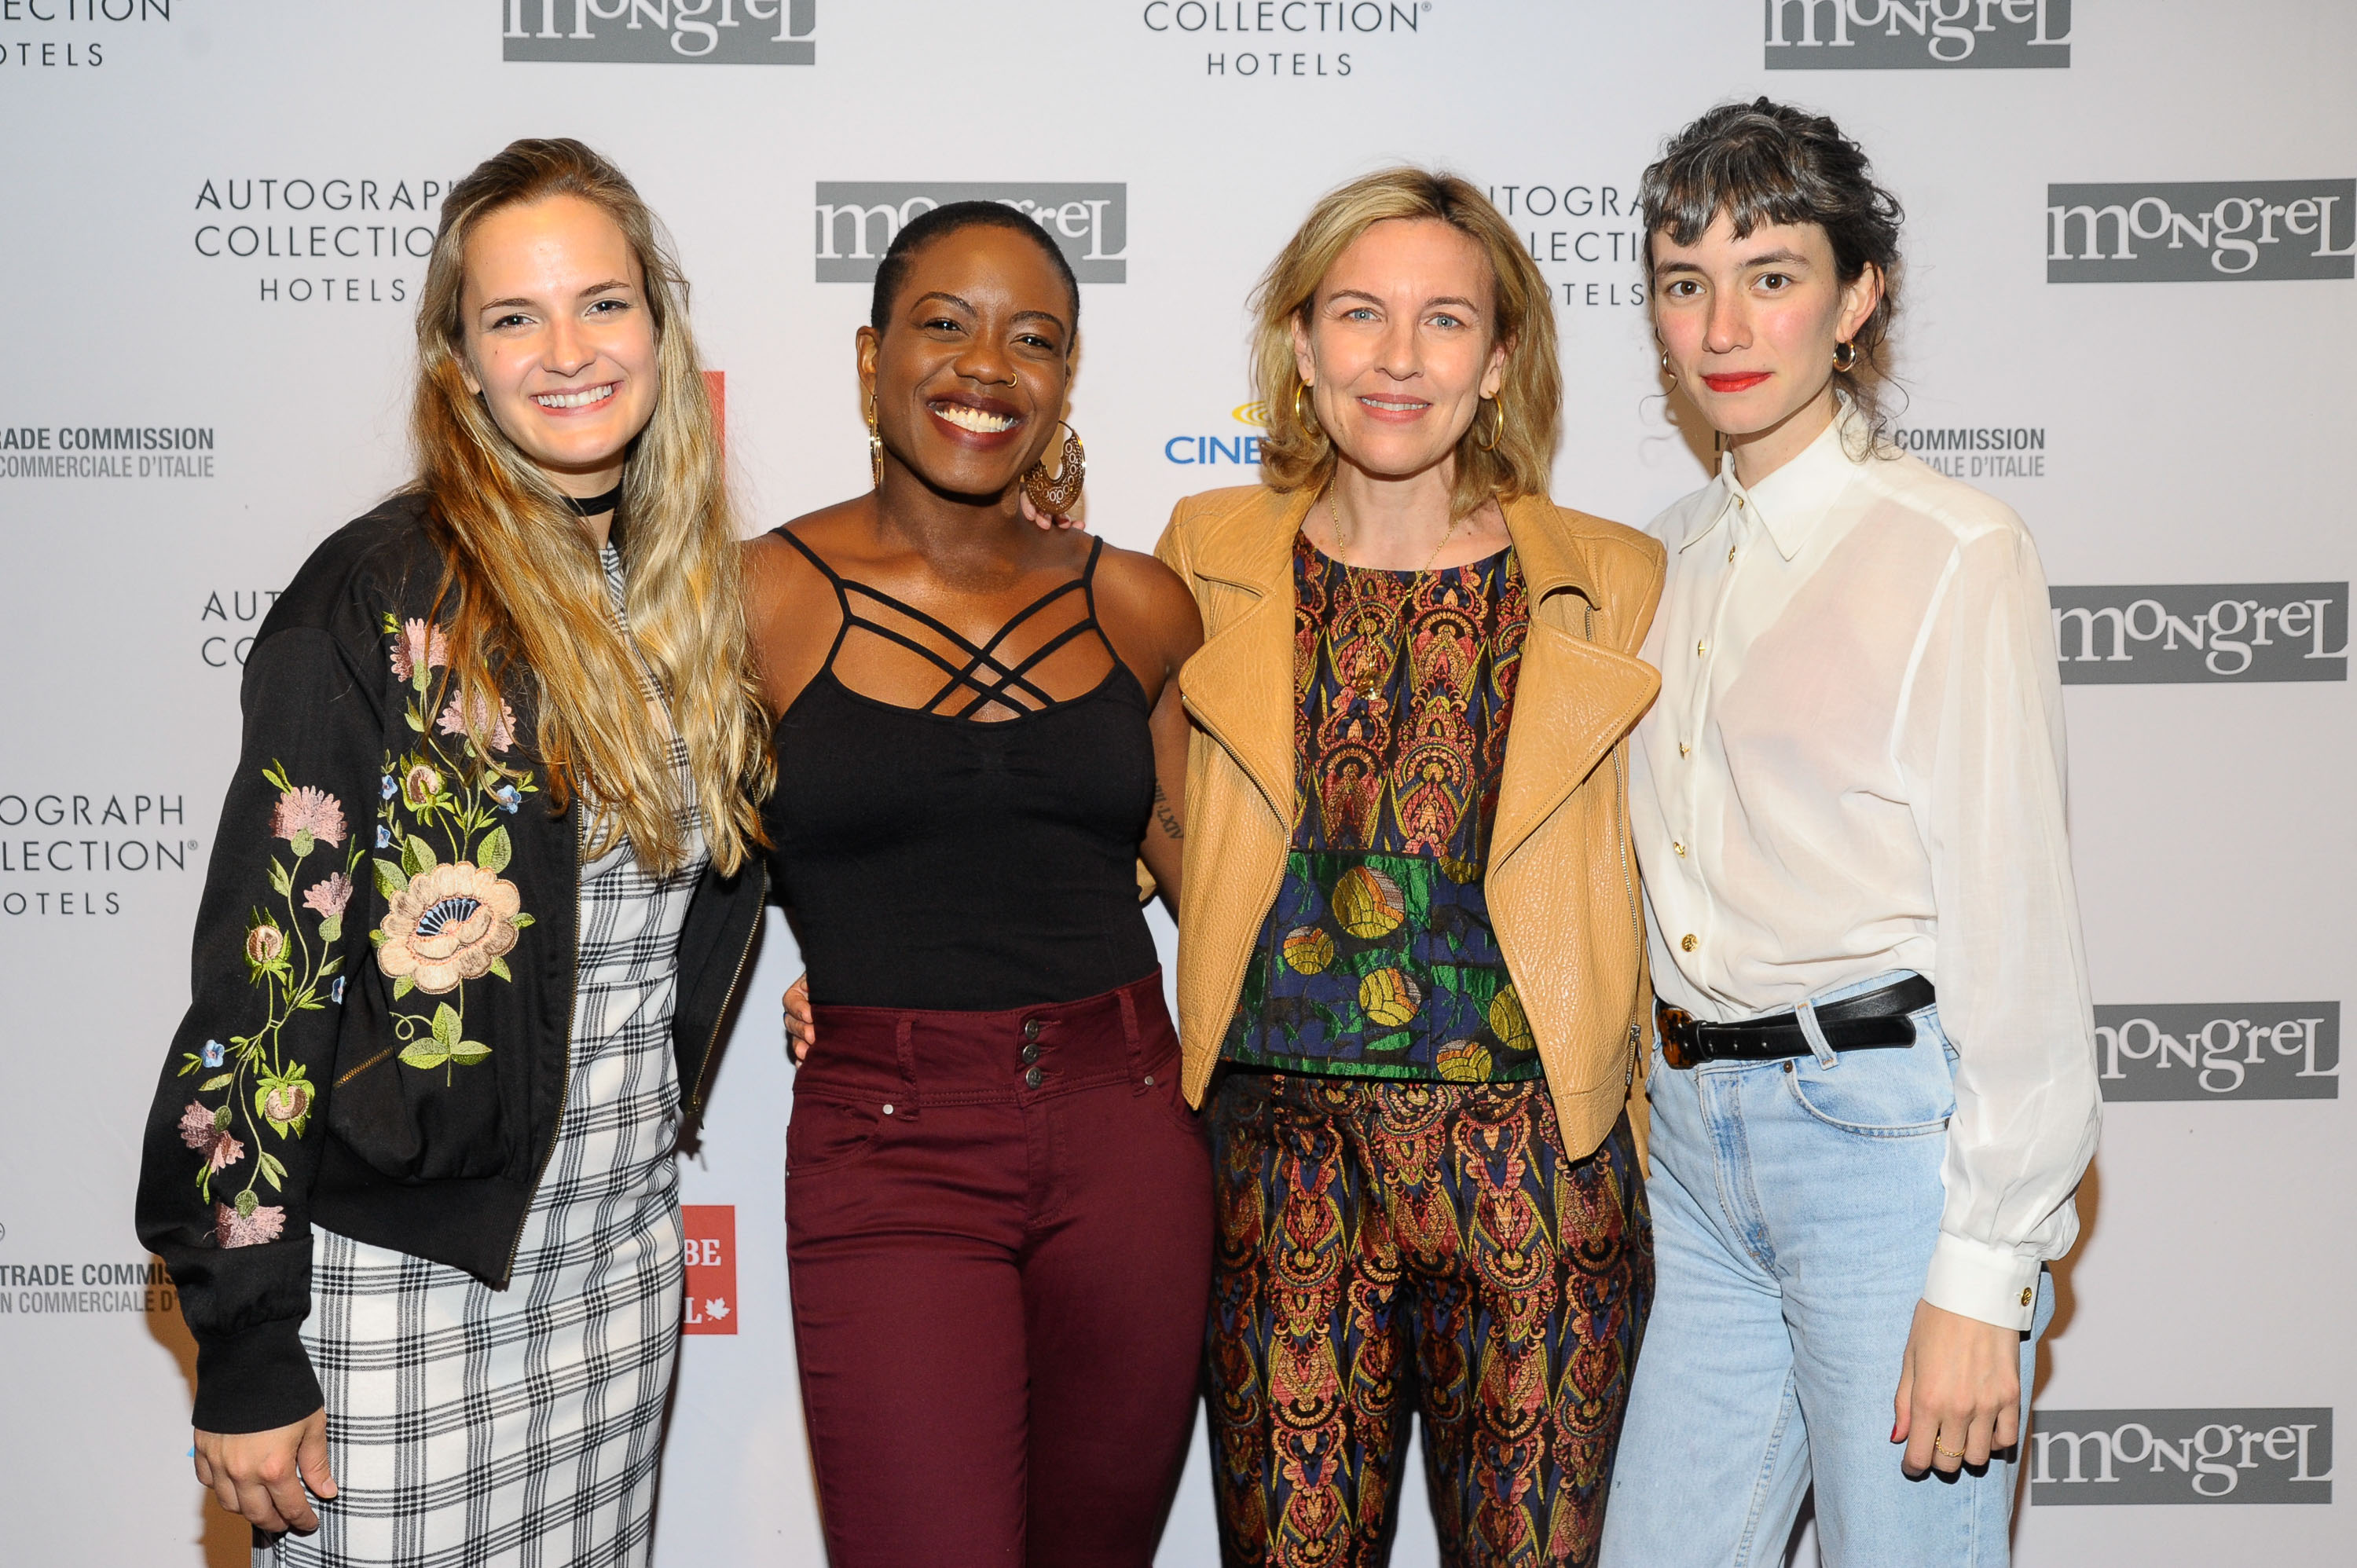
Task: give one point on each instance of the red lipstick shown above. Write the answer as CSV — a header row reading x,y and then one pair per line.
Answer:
x,y
1735,381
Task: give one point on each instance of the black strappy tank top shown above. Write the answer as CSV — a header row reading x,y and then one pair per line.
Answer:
x,y
935,860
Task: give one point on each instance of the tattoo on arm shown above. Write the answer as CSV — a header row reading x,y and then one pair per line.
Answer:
x,y
1163,817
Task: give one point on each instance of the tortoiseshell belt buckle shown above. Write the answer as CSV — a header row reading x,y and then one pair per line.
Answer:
x,y
1674,1025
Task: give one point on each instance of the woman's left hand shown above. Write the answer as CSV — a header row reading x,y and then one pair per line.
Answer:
x,y
1959,1390
802,1027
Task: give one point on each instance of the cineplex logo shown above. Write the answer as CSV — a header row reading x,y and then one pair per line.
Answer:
x,y
2177,632
2235,1050
662,32
857,221
2148,1456
1919,35
2248,230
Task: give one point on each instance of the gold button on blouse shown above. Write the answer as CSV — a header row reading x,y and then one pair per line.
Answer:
x,y
2026,1292
1679,846
1689,941
1702,647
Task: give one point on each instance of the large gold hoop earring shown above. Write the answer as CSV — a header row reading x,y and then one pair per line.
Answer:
x,y
1497,426
1306,416
875,447
1057,495
1844,357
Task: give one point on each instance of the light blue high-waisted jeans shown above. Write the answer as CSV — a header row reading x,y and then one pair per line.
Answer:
x,y
1795,1207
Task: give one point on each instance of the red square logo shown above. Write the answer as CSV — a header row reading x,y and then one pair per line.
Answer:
x,y
711,1268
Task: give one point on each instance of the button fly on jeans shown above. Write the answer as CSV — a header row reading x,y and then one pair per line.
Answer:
x,y
1031,1053
1030,1029
1031,1078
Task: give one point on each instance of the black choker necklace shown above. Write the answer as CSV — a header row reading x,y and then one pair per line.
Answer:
x,y
595,505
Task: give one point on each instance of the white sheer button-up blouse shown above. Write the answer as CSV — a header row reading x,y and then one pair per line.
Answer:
x,y
1856,765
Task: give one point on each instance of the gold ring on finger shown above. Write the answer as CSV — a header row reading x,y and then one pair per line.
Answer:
x,y
1940,1447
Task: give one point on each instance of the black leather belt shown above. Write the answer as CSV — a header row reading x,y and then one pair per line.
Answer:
x,y
1873,1021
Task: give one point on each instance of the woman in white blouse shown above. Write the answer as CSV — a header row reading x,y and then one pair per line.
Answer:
x,y
1874,1091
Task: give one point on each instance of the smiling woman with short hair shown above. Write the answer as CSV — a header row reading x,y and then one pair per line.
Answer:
x,y
1411,972
997,1216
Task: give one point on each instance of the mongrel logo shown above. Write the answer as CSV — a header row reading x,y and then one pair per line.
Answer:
x,y
2179,632
2247,230
857,219
650,32
2241,1050
2148,1456
1919,35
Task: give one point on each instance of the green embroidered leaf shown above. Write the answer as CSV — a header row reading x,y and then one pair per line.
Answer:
x,y
334,963
467,1053
520,920
376,936
389,879
221,1118
416,720
500,967
418,856
495,851
216,1083
402,987
425,1053
247,1203
272,1169
278,879
331,929
445,1027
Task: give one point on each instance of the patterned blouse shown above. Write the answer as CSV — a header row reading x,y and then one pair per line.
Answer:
x,y
1377,959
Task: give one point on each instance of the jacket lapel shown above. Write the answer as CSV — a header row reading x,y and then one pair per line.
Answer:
x,y
1574,699
1239,684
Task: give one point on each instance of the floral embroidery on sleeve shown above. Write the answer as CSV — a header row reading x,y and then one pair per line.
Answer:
x,y
451,916
261,1086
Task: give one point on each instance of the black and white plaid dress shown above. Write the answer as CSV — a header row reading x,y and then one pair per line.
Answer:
x,y
472,1426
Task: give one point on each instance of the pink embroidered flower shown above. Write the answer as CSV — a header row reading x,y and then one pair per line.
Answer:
x,y
304,807
329,896
419,643
420,784
197,1129
502,728
201,1132
234,1230
450,924
263,944
287,1102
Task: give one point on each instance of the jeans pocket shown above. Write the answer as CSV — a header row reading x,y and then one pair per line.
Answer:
x,y
824,1135
1889,1093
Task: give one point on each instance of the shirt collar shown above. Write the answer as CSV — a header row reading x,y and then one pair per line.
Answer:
x,y
1788,502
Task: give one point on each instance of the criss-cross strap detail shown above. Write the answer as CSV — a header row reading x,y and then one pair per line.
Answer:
x,y
990,677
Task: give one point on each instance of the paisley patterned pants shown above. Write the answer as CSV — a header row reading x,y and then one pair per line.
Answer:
x,y
1390,1249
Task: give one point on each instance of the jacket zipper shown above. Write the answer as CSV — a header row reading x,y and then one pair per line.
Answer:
x,y
1621,832
565,1093
704,1068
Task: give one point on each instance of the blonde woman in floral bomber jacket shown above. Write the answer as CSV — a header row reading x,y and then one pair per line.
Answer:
x,y
472,919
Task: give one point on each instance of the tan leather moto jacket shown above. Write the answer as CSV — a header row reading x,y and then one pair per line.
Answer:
x,y
1562,881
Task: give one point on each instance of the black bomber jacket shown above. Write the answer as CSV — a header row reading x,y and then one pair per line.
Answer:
x,y
377,1040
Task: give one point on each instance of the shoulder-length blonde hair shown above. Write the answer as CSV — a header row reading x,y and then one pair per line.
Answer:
x,y
528,601
1528,412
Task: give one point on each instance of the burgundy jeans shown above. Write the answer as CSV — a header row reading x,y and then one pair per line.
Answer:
x,y
998,1230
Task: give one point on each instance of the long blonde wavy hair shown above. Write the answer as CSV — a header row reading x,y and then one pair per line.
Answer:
x,y
528,600
1297,453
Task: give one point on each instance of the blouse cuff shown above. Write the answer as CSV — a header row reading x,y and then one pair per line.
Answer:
x,y
1995,1284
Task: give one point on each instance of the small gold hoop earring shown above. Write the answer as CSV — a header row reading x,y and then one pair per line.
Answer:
x,y
875,447
1844,357
1497,426
1306,416
1668,370
1057,495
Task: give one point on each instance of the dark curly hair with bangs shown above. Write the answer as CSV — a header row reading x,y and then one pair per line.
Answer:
x,y
1769,163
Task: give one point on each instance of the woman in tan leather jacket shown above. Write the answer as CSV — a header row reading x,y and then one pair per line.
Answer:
x,y
1411,973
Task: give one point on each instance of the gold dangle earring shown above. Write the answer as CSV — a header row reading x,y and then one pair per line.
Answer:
x,y
1844,357
875,447
1056,494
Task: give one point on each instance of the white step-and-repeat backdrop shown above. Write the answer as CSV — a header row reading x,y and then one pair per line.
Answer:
x,y
2131,232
